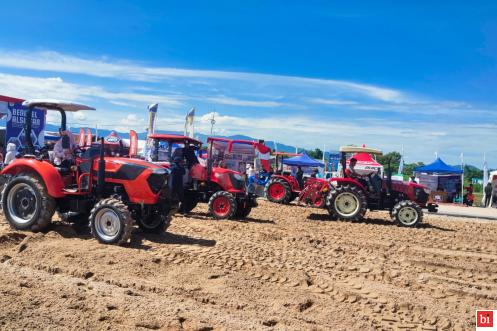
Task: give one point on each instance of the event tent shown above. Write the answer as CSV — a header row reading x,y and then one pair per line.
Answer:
x,y
438,167
302,160
439,175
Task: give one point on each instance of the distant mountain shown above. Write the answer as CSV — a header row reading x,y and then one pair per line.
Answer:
x,y
200,136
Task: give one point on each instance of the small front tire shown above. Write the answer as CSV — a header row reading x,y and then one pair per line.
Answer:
x,y
222,205
111,222
154,223
407,213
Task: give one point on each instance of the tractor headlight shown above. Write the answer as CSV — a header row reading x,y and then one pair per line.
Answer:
x,y
238,176
427,190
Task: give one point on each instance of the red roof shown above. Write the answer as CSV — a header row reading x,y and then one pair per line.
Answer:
x,y
174,138
365,158
10,99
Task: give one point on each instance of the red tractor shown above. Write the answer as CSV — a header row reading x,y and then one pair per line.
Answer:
x,y
223,189
111,191
284,188
350,197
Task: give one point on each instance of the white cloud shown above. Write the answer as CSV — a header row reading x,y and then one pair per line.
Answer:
x,y
332,102
57,62
223,100
56,88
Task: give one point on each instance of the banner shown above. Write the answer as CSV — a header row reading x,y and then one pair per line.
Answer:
x,y
264,155
81,137
333,161
16,118
88,137
133,143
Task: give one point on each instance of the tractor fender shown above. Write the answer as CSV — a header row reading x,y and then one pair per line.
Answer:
x,y
50,176
346,181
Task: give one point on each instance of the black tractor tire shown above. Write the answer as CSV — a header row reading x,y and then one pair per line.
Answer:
x,y
187,205
154,223
284,192
26,203
222,205
116,227
407,213
243,209
347,202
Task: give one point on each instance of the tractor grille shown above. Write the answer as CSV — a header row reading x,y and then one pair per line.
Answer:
x,y
157,181
237,183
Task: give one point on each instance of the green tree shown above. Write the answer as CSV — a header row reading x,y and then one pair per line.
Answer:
x,y
316,154
390,161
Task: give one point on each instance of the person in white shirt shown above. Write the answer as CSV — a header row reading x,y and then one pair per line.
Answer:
x,y
11,153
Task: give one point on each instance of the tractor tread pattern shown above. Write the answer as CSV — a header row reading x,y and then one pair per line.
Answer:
x,y
406,203
334,193
124,214
232,201
288,191
47,202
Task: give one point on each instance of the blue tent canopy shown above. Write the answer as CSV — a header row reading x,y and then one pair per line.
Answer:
x,y
439,166
303,160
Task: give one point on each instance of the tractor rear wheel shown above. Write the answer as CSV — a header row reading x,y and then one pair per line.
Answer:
x,y
111,221
407,213
154,223
347,203
222,205
278,190
26,203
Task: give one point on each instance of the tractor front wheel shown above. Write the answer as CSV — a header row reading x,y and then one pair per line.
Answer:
x,y
111,222
189,202
279,191
222,205
407,213
347,203
26,203
154,223
243,209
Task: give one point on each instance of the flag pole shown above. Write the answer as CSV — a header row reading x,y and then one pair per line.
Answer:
x,y
462,178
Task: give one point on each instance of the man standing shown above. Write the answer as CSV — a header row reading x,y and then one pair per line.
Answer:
x,y
299,176
488,194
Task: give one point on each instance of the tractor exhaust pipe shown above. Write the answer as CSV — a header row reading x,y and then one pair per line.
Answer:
x,y
101,170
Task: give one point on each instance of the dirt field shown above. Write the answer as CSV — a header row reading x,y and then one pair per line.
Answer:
x,y
286,267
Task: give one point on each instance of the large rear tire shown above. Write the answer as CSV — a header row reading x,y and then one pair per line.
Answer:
x,y
347,203
279,191
111,222
26,203
407,213
222,205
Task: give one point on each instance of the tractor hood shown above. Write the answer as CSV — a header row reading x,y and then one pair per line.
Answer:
x,y
138,162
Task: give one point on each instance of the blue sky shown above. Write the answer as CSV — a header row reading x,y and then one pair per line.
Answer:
x,y
421,75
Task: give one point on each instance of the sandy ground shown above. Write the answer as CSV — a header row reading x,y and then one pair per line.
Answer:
x,y
285,267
